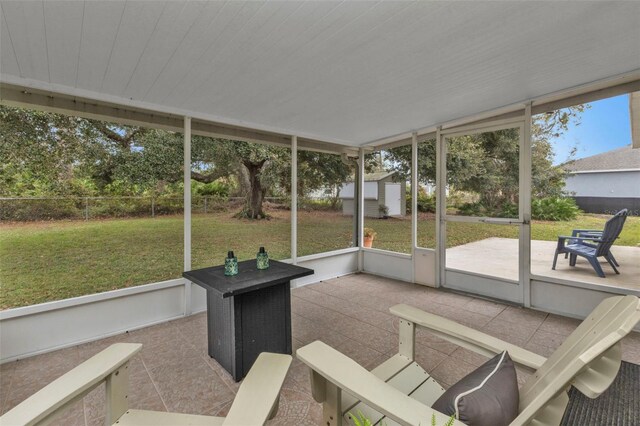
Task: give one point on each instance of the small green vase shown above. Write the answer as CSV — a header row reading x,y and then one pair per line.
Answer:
x,y
262,259
231,264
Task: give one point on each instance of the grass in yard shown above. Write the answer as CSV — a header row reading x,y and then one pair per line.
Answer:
x,y
395,234
549,231
47,261
41,262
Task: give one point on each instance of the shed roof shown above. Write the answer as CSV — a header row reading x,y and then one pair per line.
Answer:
x,y
625,158
377,176
338,71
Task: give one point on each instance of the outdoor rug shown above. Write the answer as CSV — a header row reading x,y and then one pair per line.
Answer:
x,y
617,406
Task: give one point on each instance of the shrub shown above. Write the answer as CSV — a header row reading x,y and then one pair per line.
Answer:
x,y
119,207
551,208
169,206
212,204
426,203
509,210
319,204
217,189
471,209
554,208
24,210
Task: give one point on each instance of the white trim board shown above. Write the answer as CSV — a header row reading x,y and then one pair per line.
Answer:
x,y
97,97
88,299
36,333
388,264
484,286
424,266
579,172
327,267
570,301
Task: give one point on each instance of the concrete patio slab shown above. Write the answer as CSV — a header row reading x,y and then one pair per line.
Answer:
x,y
499,257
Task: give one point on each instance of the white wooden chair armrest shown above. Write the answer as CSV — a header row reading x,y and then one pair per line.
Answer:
x,y
348,375
258,396
71,386
467,337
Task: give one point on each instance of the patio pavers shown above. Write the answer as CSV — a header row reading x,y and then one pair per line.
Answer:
x,y
173,371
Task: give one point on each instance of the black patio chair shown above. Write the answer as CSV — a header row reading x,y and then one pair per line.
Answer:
x,y
595,233
592,247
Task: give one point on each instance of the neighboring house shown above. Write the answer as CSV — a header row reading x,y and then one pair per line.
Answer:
x,y
379,190
606,182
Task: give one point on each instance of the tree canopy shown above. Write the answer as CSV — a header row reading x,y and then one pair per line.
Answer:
x,y
46,154
487,163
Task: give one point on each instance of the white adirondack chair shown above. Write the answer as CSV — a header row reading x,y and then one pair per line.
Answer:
x,y
401,392
255,403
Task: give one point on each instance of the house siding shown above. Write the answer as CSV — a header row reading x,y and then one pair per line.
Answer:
x,y
607,205
370,207
347,207
624,184
605,192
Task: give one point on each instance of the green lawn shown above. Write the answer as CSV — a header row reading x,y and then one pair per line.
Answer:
x,y
47,261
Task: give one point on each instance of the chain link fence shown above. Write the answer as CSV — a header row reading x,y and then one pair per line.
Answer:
x,y
26,209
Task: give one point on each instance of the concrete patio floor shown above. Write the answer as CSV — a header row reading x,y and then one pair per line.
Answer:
x,y
499,257
173,372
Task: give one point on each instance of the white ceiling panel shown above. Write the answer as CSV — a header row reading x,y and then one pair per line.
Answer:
x,y
172,28
25,21
352,72
230,29
189,50
8,61
138,24
300,60
100,25
63,25
251,43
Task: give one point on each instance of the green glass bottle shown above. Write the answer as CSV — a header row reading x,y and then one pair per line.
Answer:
x,y
231,264
262,259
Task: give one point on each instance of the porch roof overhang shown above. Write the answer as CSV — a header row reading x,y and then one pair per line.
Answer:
x,y
339,75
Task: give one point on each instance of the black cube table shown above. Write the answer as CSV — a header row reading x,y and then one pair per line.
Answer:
x,y
248,313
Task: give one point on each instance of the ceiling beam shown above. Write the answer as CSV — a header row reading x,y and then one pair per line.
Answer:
x,y
17,96
634,116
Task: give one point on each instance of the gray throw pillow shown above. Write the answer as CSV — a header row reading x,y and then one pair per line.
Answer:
x,y
488,396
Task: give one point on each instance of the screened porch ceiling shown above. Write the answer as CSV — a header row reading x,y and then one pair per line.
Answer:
x,y
347,73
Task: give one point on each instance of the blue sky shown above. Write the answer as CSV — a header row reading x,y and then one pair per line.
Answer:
x,y
604,126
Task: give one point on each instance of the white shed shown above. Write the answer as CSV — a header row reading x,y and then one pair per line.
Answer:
x,y
607,182
380,190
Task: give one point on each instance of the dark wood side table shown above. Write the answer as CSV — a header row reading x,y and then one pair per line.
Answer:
x,y
248,313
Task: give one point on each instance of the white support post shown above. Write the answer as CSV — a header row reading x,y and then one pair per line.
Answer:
x,y
187,212
525,207
441,207
361,209
414,198
294,199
